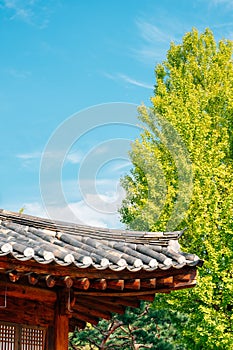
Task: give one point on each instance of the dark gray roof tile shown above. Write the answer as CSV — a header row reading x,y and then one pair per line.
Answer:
x,y
45,241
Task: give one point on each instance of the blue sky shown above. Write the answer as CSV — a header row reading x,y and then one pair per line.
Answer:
x,y
61,58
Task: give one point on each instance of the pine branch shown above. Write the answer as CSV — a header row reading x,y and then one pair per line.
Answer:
x,y
112,329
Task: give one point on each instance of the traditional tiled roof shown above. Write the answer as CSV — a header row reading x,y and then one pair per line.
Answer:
x,y
89,272
25,237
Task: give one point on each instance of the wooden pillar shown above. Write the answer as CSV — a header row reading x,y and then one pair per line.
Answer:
x,y
61,332
58,333
50,338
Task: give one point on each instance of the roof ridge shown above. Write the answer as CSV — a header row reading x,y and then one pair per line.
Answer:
x,y
95,232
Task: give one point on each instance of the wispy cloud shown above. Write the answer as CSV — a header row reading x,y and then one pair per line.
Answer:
x,y
129,80
18,74
74,157
152,33
126,79
30,160
32,12
18,9
80,212
121,166
35,209
228,3
155,40
29,155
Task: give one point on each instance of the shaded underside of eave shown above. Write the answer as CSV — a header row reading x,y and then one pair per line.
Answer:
x,y
103,296
91,307
95,283
9,263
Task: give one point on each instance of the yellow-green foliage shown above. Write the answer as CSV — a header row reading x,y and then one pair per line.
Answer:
x,y
194,97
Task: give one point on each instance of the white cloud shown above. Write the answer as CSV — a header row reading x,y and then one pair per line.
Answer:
x,y
75,190
79,212
125,78
89,215
228,3
35,209
18,74
29,156
74,157
151,33
156,38
18,9
29,11
30,160
85,201
129,80
150,54
121,166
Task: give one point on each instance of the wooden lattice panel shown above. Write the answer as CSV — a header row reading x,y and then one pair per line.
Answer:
x,y
7,336
32,339
18,337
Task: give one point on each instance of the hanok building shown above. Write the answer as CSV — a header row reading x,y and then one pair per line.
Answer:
x,y
57,276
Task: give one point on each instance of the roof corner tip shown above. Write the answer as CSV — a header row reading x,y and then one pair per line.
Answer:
x,y
181,232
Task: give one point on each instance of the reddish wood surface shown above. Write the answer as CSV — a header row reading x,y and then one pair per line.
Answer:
x,y
148,283
102,304
27,312
27,292
165,281
10,263
50,281
75,323
81,283
33,278
86,318
61,330
35,288
99,284
91,310
13,276
133,284
115,284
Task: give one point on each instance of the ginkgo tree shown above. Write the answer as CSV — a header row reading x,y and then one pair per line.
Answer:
x,y
182,176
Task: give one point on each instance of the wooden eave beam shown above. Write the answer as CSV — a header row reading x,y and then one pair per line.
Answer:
x,y
27,292
133,284
100,303
149,283
13,276
68,281
50,281
161,288
81,283
99,284
125,301
85,317
149,297
109,301
26,311
164,282
75,323
33,278
116,284
10,263
90,310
